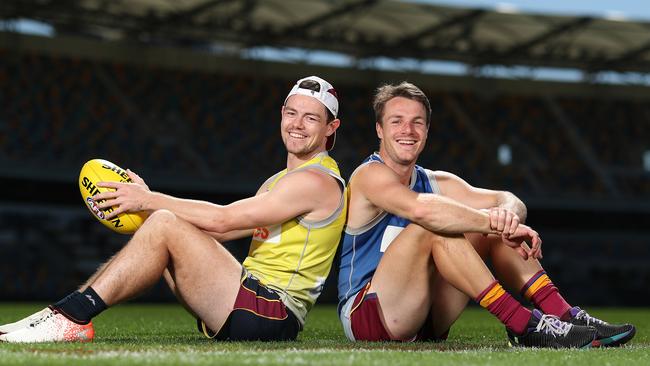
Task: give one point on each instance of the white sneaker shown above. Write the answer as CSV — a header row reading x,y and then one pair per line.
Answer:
x,y
6,328
50,326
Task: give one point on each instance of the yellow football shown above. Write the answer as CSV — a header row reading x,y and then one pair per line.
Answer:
x,y
99,170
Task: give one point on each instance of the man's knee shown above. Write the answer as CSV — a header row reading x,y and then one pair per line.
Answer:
x,y
429,238
162,224
161,219
483,244
175,232
421,234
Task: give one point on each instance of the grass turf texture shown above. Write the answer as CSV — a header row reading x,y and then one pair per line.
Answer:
x,y
165,335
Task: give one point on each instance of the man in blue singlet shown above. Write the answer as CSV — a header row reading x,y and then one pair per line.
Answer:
x,y
415,242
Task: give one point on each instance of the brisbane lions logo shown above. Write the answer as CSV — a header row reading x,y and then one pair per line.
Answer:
x,y
271,234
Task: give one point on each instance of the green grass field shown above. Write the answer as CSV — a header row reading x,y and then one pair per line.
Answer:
x,y
165,335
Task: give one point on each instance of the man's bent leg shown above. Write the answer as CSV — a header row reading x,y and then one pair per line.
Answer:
x,y
447,303
206,277
402,282
509,266
205,274
461,266
524,329
535,285
172,286
526,276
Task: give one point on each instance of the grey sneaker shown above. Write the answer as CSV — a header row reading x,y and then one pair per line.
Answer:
x,y
609,335
548,331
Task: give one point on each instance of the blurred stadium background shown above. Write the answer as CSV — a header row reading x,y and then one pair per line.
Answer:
x,y
187,93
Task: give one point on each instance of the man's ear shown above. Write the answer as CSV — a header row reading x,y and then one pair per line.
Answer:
x,y
379,129
332,126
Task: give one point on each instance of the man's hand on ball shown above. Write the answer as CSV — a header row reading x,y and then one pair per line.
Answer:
x,y
126,197
136,178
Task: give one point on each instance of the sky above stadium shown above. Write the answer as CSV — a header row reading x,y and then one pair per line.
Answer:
x,y
619,10
633,10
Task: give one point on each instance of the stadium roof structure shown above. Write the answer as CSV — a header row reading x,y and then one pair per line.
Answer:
x,y
361,29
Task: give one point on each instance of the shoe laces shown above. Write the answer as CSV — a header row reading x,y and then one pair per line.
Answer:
x,y
34,317
583,315
550,324
41,319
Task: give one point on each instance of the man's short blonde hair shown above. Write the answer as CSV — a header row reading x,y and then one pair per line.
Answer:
x,y
404,89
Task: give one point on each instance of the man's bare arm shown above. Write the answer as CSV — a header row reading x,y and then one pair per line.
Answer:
x,y
498,204
458,189
381,186
301,193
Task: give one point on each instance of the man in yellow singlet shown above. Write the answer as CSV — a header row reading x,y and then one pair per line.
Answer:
x,y
295,219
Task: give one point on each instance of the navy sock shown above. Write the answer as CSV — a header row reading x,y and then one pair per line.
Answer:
x,y
80,307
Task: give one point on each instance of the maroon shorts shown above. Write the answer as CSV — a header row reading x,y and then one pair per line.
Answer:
x,y
366,323
258,315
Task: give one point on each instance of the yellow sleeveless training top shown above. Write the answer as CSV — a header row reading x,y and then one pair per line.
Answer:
x,y
294,258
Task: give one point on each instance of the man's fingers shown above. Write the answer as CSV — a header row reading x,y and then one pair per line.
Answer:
x,y
136,178
502,220
494,219
536,241
514,225
536,244
105,196
507,227
106,203
114,185
117,211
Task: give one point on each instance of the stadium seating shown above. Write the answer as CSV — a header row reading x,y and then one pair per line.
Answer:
x,y
207,126
192,126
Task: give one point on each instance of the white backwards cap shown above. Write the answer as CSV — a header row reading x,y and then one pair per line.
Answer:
x,y
324,92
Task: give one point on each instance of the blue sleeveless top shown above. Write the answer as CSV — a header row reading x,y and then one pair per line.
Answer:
x,y
363,247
